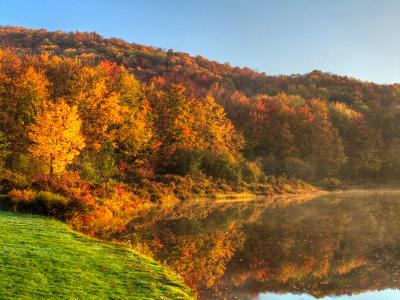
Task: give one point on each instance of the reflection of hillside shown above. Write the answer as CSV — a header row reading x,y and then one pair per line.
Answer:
x,y
196,240
335,245
341,244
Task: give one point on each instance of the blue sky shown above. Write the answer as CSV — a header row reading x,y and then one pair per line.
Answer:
x,y
358,38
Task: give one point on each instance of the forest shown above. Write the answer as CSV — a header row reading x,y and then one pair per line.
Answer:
x,y
92,129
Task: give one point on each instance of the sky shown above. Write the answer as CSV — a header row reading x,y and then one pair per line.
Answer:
x,y
357,38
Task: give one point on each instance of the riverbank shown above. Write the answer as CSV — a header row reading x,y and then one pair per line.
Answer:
x,y
104,211
185,188
100,210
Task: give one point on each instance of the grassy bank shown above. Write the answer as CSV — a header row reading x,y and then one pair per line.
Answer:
x,y
41,258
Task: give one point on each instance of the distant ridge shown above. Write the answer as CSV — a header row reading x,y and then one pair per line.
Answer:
x,y
196,72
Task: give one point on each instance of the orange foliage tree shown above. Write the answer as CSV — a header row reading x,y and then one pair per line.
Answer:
x,y
56,136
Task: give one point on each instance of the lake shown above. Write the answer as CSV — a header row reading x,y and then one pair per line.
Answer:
x,y
334,246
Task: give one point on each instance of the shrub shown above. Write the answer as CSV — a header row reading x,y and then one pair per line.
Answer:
x,y
89,172
251,172
10,180
222,167
69,185
272,166
51,204
98,167
44,203
298,168
25,195
197,163
186,163
156,191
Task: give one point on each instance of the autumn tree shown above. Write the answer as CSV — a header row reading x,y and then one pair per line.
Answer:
x,y
392,158
362,143
364,150
135,134
56,136
22,91
116,119
215,131
327,151
173,118
68,78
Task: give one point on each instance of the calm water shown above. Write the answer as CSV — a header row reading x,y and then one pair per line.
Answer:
x,y
338,246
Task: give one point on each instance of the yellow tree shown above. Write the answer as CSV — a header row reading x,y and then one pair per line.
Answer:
x,y
215,130
101,109
56,136
22,90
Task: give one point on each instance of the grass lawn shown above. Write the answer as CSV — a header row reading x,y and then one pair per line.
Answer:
x,y
41,258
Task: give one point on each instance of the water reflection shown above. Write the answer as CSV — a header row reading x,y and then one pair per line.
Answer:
x,y
334,245
378,295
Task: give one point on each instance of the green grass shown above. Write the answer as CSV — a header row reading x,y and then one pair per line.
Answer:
x,y
41,258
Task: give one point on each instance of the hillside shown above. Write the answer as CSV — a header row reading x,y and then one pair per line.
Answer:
x,y
148,62
316,127
43,259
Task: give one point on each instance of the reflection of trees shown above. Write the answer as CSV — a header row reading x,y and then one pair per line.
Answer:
x,y
334,245
337,244
196,240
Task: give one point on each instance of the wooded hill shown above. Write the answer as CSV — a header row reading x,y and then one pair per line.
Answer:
x,y
187,115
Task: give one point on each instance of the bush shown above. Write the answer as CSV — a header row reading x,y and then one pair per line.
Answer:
x,y
186,163
23,164
156,191
98,167
69,185
25,195
297,168
272,166
221,167
89,172
52,205
199,163
10,180
251,172
44,203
